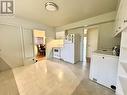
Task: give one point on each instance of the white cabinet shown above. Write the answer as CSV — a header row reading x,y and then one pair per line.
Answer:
x,y
121,21
124,14
103,69
124,39
121,18
60,35
122,67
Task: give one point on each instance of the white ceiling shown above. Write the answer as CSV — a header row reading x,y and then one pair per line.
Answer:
x,y
69,10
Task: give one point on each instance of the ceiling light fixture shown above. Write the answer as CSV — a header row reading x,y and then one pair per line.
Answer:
x,y
50,6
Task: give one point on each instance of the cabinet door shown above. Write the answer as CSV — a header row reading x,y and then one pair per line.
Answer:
x,y
124,14
10,47
124,39
94,66
121,15
60,35
107,71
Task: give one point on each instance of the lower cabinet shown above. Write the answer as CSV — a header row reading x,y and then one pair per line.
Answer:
x,y
103,69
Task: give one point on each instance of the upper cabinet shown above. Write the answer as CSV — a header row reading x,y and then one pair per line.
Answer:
x,y
125,14
121,18
60,35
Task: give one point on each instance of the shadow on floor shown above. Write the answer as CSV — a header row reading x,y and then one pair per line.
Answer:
x,y
8,84
3,65
87,87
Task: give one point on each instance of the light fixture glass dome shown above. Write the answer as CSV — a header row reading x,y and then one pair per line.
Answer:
x,y
50,6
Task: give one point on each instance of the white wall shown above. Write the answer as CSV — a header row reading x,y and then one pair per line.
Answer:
x,y
90,21
25,25
106,39
105,24
28,24
92,41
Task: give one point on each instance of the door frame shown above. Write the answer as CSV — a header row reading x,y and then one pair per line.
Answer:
x,y
34,42
90,27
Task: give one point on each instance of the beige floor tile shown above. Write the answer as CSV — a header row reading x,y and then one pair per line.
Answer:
x,y
50,77
7,83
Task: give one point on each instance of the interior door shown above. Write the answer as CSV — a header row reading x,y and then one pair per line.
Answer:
x,y
92,41
10,46
28,43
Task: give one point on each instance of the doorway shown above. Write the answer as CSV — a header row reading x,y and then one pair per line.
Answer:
x,y
84,44
92,42
39,45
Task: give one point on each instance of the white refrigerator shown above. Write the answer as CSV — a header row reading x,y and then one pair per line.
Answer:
x,y
71,50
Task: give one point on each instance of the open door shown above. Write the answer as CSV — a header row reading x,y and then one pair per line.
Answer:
x,y
39,44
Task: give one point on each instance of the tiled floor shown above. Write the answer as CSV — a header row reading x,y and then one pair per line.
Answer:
x,y
53,77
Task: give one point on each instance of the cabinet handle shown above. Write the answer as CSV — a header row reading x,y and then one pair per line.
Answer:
x,y
125,21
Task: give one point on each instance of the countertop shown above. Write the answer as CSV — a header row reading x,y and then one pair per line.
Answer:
x,y
106,52
57,47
